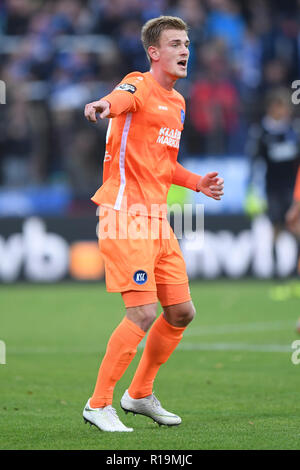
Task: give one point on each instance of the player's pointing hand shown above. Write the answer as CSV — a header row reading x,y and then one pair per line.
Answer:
x,y
211,185
102,107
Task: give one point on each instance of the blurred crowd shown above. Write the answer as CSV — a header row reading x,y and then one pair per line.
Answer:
x,y
55,56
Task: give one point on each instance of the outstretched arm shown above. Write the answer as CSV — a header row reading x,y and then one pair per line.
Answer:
x,y
117,102
209,184
127,97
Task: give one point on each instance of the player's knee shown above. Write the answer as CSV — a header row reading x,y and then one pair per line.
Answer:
x,y
149,316
189,313
181,314
143,315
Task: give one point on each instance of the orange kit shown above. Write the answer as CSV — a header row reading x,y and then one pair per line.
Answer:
x,y
140,164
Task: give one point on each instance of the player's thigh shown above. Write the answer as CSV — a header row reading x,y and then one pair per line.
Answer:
x,y
172,283
129,262
173,294
170,267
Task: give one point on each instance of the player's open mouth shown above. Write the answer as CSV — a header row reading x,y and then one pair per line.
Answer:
x,y
182,63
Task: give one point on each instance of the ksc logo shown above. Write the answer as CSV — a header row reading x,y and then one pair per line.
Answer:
x,y
182,116
140,277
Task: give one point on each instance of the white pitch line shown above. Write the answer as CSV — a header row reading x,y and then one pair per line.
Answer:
x,y
235,347
238,328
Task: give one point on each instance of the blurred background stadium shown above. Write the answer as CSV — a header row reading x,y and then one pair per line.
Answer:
x,y
55,56
235,359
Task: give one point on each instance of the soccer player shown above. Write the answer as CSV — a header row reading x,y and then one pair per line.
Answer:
x,y
146,120
276,141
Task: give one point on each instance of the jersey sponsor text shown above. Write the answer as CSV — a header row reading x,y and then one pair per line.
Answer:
x,y
169,137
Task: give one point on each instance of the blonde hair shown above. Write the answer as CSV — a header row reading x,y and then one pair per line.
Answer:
x,y
152,30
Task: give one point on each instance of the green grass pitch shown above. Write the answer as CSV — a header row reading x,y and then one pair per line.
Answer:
x,y
231,379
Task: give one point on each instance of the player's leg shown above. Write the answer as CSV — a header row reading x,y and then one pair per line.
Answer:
x,y
164,336
278,205
140,313
122,347
120,351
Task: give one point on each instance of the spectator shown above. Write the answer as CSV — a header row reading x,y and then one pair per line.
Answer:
x,y
17,142
213,104
226,23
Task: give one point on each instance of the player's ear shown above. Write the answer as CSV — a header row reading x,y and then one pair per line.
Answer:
x,y
153,53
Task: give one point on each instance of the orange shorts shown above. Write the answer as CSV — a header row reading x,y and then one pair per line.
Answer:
x,y
139,252
167,294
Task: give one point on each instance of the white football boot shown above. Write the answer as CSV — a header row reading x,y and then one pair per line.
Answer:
x,y
106,419
149,406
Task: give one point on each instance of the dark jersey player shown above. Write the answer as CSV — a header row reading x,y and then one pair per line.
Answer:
x,y
276,141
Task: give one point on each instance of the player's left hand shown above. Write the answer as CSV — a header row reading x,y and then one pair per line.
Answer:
x,y
211,185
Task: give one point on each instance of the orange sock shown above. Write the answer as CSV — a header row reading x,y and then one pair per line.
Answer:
x,y
121,349
161,342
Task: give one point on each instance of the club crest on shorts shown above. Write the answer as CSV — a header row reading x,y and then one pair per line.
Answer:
x,y
140,277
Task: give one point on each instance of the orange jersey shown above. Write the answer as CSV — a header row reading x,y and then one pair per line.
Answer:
x,y
142,145
297,187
